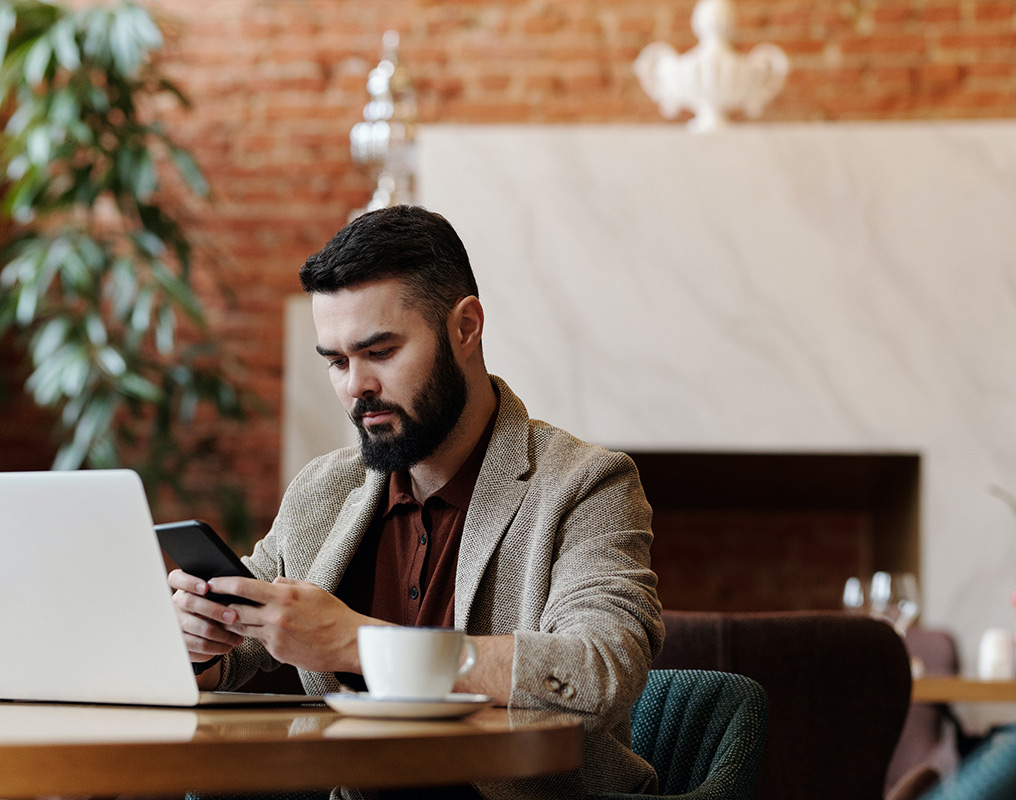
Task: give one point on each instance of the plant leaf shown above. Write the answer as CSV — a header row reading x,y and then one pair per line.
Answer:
x,y
96,330
92,425
96,46
64,44
75,370
23,266
143,389
190,171
165,329
145,180
149,244
122,287
111,361
28,301
70,456
38,146
141,317
72,409
8,20
20,203
178,290
49,338
20,119
145,29
64,108
37,61
126,50
44,382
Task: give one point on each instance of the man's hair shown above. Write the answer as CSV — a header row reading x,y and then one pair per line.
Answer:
x,y
409,243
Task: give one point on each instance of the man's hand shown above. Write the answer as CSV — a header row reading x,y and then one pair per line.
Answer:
x,y
298,622
203,622
301,624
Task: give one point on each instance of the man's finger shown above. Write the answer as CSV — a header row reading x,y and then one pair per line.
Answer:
x,y
209,645
203,607
248,588
178,579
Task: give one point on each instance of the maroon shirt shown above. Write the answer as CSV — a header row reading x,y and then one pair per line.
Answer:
x,y
404,569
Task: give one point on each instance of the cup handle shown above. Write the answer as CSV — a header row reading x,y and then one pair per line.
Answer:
x,y
470,660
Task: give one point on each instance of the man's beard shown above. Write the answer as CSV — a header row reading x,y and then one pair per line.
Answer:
x,y
437,406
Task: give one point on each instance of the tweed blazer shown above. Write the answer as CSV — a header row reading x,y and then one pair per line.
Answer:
x,y
555,550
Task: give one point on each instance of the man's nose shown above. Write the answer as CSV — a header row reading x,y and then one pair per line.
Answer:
x,y
361,380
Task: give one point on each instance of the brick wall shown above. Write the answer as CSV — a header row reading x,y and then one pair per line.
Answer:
x,y
276,86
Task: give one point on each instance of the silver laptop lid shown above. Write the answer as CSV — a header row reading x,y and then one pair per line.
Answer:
x,y
85,612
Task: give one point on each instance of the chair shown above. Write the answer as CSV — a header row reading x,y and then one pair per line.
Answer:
x,y
931,736
988,774
703,732
838,687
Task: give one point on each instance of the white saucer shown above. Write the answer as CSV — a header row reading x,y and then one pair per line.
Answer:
x,y
361,704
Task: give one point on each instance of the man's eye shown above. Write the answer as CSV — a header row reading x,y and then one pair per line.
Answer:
x,y
338,363
381,354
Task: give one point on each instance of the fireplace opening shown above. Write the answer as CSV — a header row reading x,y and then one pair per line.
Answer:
x,y
777,531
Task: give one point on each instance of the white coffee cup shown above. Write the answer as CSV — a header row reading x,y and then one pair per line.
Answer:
x,y
413,663
995,655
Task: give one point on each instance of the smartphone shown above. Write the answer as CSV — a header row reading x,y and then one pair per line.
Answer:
x,y
198,549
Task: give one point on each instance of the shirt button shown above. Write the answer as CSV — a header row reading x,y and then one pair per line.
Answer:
x,y
413,593
423,538
567,691
552,684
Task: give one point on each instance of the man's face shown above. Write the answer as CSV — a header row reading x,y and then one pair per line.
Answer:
x,y
396,376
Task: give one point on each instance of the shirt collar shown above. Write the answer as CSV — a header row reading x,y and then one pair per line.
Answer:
x,y
458,491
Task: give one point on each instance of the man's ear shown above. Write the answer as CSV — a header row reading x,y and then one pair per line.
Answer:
x,y
465,325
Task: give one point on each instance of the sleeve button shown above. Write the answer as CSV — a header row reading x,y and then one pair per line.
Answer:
x,y
552,684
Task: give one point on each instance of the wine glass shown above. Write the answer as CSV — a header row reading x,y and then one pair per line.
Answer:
x,y
894,597
891,596
855,596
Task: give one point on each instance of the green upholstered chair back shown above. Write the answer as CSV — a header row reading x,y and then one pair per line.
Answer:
x,y
702,731
988,774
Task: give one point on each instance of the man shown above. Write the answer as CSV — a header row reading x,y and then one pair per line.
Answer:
x,y
455,510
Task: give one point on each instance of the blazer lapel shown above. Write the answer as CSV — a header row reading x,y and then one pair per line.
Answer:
x,y
340,545
499,491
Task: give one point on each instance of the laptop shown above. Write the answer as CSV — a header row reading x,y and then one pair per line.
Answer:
x,y
86,615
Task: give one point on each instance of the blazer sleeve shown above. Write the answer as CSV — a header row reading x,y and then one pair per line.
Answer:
x,y
601,625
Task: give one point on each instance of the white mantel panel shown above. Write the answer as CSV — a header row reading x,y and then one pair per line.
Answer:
x,y
789,288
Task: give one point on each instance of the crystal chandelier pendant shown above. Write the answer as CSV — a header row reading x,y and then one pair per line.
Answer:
x,y
383,141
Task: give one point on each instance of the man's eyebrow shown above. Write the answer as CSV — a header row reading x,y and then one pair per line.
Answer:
x,y
381,337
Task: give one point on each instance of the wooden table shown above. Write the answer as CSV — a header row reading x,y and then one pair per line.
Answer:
x,y
955,689
89,750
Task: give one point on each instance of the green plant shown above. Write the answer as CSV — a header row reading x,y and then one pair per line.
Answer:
x,y
97,273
